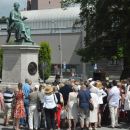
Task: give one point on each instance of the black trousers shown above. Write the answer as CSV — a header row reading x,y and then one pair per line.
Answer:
x,y
128,116
50,118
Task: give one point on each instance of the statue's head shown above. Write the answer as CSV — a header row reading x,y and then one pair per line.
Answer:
x,y
16,5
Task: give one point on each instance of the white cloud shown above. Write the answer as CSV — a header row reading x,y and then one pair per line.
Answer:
x,y
7,5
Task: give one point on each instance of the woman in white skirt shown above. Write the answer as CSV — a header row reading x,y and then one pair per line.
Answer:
x,y
94,113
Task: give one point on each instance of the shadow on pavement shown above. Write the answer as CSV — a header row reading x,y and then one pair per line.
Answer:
x,y
7,129
124,126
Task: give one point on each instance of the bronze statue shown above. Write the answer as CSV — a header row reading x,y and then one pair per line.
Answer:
x,y
15,24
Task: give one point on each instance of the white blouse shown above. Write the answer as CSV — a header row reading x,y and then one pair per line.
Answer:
x,y
50,101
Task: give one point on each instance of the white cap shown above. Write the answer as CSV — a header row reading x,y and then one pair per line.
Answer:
x,y
36,86
90,79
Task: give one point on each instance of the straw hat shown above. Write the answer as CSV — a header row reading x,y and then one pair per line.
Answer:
x,y
48,90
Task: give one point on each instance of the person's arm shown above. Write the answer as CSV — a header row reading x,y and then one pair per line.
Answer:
x,y
55,98
24,18
61,99
104,94
92,84
110,94
68,101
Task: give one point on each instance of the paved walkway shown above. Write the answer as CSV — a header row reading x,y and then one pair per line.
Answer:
x,y
123,126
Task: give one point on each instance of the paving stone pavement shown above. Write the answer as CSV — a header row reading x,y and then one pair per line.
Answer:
x,y
123,126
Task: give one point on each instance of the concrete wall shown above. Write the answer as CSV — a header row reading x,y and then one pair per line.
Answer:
x,y
70,43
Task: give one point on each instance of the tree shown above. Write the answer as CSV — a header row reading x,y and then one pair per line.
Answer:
x,y
107,28
44,61
3,19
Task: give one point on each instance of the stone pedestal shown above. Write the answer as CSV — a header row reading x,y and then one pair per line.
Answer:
x,y
20,62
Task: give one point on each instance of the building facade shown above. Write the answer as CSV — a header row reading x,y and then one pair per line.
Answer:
x,y
45,4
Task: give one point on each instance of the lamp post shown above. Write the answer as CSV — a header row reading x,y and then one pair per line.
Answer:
x,y
83,64
60,49
61,56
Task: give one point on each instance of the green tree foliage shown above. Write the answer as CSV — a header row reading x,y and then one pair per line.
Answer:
x,y
107,27
3,19
1,61
44,60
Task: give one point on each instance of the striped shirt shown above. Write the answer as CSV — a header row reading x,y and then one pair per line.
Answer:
x,y
8,96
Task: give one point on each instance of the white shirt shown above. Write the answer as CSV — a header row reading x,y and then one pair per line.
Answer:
x,y
101,95
114,96
50,101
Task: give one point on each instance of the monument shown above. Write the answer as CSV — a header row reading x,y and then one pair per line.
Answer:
x,y
20,60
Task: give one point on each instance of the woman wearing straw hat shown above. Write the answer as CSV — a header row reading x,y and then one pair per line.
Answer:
x,y
50,103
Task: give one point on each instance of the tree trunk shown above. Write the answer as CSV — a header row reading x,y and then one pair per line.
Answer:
x,y
126,71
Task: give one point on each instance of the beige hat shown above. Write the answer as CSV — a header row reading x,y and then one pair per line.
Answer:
x,y
48,90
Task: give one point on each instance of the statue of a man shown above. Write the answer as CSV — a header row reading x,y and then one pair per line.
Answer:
x,y
16,25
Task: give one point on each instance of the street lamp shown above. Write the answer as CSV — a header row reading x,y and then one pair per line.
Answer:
x,y
82,44
61,56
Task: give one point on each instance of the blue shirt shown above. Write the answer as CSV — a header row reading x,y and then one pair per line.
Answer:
x,y
84,97
26,91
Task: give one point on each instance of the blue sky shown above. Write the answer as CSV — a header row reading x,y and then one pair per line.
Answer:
x,y
7,5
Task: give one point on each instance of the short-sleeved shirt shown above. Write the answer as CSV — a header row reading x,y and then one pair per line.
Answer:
x,y
26,91
84,97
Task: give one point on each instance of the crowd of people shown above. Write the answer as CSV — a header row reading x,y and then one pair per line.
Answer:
x,y
70,104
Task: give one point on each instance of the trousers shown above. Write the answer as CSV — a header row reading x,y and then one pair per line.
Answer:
x,y
33,117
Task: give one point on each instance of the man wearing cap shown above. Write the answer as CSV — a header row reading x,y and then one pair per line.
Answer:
x,y
8,99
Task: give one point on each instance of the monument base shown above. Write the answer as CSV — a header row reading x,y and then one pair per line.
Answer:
x,y
20,62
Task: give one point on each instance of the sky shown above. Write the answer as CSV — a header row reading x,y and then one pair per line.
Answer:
x,y
7,5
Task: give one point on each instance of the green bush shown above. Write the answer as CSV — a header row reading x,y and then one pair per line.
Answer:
x,y
44,61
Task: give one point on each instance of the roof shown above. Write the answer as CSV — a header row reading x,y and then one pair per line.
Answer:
x,y
52,18
52,14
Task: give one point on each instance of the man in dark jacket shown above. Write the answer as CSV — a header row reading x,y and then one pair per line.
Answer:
x,y
65,92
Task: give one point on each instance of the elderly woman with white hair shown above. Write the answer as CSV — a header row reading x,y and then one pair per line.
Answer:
x,y
72,106
33,112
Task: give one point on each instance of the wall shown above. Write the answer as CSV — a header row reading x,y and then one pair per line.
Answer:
x,y
70,43
45,4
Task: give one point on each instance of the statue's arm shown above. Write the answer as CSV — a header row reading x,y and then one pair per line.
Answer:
x,y
13,18
24,18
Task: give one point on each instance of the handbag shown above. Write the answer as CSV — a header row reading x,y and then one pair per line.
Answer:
x,y
55,109
91,107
